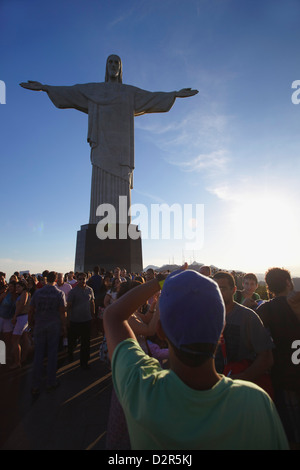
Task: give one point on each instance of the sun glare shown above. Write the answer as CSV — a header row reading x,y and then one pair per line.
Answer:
x,y
265,231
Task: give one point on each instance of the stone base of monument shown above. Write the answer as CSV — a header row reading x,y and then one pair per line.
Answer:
x,y
118,249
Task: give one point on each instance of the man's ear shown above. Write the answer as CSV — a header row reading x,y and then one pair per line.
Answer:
x,y
160,332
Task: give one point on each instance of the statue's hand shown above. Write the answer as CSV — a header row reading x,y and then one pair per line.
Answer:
x,y
185,92
31,85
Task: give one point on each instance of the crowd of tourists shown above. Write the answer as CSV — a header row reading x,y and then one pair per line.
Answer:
x,y
226,352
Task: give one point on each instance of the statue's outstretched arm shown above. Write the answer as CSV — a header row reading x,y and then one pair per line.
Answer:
x,y
62,97
36,86
185,92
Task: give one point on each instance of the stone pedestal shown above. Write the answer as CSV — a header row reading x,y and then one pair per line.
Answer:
x,y
108,253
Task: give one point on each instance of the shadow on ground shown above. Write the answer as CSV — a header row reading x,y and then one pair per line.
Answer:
x,y
73,417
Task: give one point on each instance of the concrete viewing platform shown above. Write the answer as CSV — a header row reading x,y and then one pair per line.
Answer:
x,y
72,417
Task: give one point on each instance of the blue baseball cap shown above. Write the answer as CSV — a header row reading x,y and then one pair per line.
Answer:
x,y
192,309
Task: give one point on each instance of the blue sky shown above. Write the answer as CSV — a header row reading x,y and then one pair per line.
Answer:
x,y
233,148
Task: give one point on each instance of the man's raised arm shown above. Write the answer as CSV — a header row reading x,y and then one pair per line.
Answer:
x,y
116,315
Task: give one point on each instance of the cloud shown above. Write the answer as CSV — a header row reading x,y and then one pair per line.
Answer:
x,y
250,189
137,13
4,261
120,19
215,160
151,196
203,123
201,137
155,128
223,192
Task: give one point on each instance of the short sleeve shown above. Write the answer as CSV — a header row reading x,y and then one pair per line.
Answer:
x,y
130,368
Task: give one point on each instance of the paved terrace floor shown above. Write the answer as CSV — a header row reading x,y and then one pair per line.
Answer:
x,y
73,417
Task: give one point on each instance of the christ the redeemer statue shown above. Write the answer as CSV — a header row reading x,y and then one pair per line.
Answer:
x,y
111,107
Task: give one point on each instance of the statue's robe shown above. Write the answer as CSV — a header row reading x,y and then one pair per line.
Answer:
x,y
111,108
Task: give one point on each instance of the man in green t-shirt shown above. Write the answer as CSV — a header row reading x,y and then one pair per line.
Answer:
x,y
190,406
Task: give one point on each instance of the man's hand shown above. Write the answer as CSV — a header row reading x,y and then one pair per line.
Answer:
x,y
31,85
182,268
186,92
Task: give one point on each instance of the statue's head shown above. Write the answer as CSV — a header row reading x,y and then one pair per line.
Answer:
x,y
113,70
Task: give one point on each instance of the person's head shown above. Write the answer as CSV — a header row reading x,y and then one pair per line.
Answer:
x,y
279,281
71,275
250,283
20,287
117,272
123,272
149,274
205,270
192,316
226,284
107,280
12,287
81,279
115,285
31,282
60,279
126,286
113,70
2,278
96,270
52,277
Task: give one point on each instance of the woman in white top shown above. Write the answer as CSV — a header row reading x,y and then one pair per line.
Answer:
x,y
20,322
112,293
